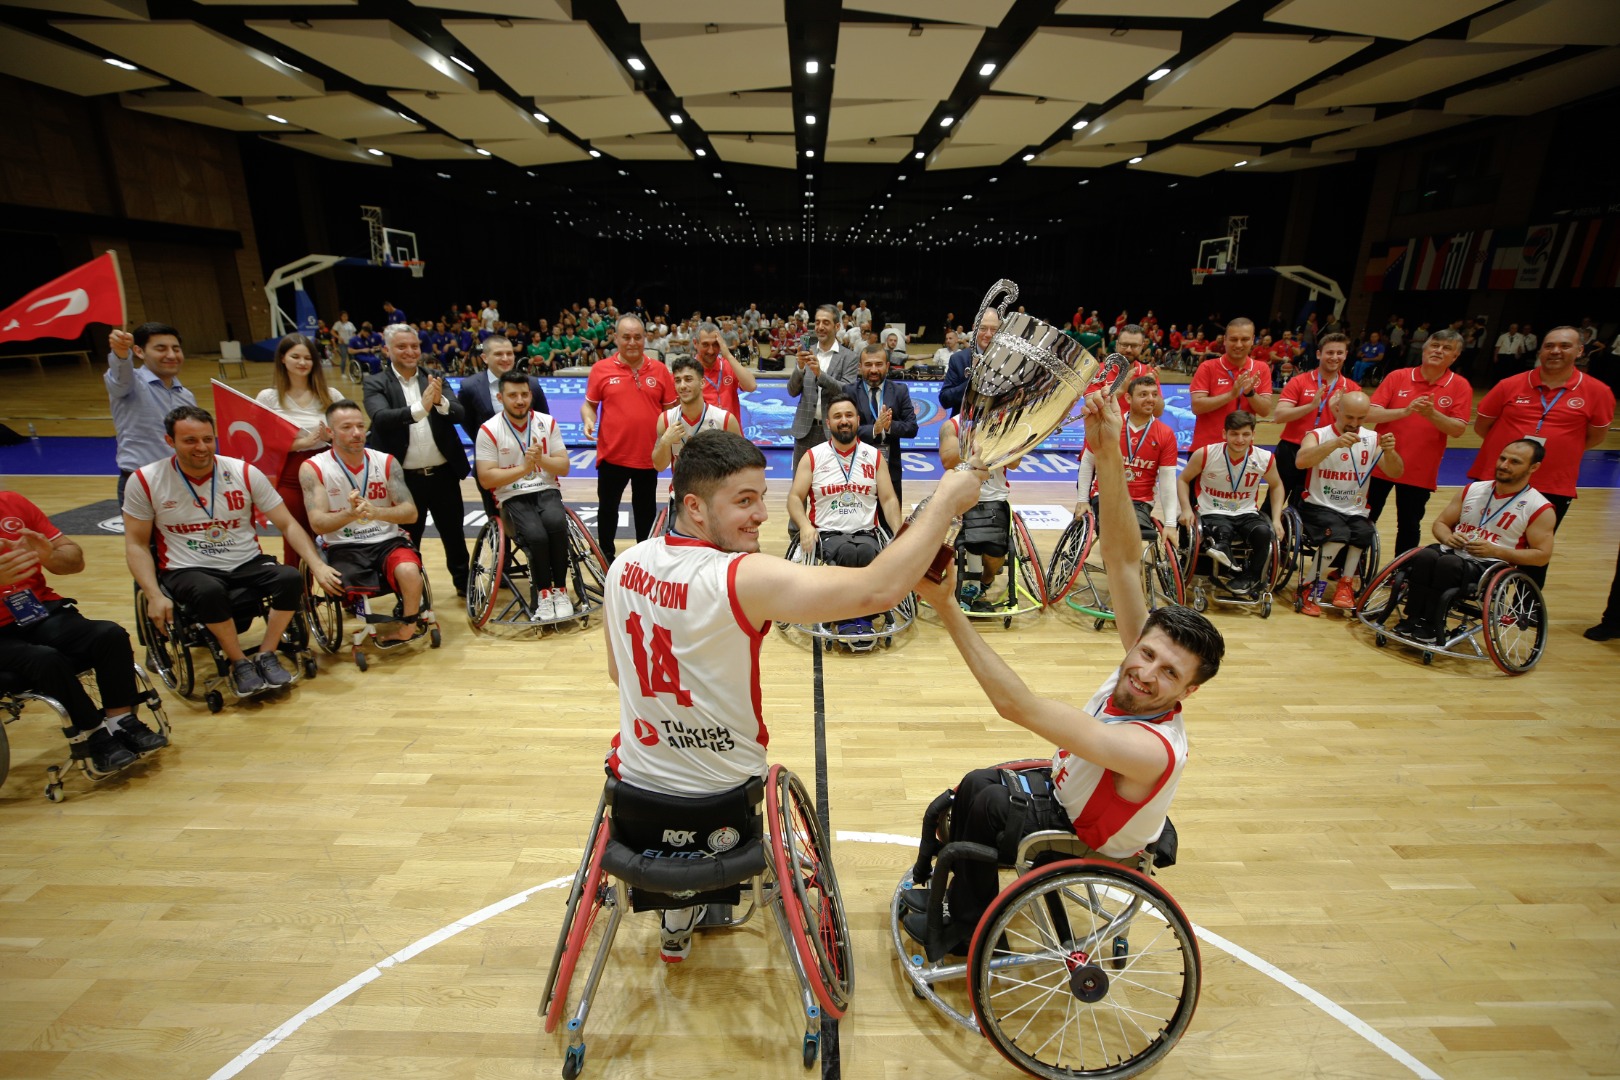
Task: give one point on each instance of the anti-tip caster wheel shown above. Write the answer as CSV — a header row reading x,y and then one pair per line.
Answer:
x,y
1099,624
1265,608
214,700
360,659
1200,601
1428,657
812,1050
309,667
573,1062
434,639
1006,622
1380,639
53,792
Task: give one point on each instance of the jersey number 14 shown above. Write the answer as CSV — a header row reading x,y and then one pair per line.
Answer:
x,y
658,672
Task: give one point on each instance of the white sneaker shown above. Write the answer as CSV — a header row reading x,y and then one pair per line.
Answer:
x,y
675,937
561,606
543,609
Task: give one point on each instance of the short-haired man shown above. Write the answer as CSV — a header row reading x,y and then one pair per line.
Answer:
x,y
142,396
392,314
1227,383
956,372
723,377
45,642
1339,460
1229,477
1500,519
1148,447
624,396
1371,355
342,331
824,368
691,414
1132,345
199,507
942,355
366,349
1424,407
520,455
358,504
480,395
1118,760
685,654
1566,409
838,490
1305,401
887,414
1509,347
414,419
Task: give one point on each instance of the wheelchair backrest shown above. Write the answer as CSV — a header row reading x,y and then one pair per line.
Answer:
x,y
657,826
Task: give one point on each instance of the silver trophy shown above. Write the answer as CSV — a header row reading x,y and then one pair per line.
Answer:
x,y
1021,388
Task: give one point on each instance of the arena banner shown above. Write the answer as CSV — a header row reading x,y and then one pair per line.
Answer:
x,y
1580,253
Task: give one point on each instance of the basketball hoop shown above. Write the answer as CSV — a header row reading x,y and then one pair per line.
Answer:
x,y
1199,273
416,267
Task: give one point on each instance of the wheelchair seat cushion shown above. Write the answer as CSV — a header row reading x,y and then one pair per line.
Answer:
x,y
675,851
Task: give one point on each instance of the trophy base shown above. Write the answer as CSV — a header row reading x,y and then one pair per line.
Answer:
x,y
943,558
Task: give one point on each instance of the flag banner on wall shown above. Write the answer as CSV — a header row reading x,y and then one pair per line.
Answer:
x,y
92,293
1577,254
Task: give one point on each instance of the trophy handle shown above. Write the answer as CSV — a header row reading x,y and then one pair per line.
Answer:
x,y
1005,288
1111,373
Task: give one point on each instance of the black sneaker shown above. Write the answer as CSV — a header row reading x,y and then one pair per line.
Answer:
x,y
1243,586
915,899
105,753
137,737
1601,632
915,924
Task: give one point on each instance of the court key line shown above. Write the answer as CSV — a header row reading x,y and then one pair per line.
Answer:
x,y
421,945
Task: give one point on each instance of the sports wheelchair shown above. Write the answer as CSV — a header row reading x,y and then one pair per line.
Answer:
x,y
499,563
893,622
171,657
1208,578
12,703
324,613
1503,606
1026,581
1297,552
1081,966
1072,576
634,861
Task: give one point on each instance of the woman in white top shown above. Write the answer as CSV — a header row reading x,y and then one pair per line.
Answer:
x,y
298,393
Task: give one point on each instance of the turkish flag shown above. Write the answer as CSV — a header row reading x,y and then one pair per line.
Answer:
x,y
259,436
93,293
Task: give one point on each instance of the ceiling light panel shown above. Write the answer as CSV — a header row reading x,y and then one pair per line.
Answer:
x,y
201,58
658,146
545,150
870,151
326,147
1415,71
1404,125
593,118
971,12
545,58
512,9
371,51
1545,88
955,155
41,60
701,12
199,109
854,119
1296,158
1023,120
1244,71
340,116
777,151
1065,156
1131,121
1194,159
1550,22
694,61
1084,64
1404,20
875,59
427,147
742,111
485,115
104,9
1156,9
1283,123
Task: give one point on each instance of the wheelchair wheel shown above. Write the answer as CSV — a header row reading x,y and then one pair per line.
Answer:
x,y
484,573
590,566
1515,618
1030,577
1189,541
324,613
1161,577
661,523
1385,592
170,656
585,901
1289,545
1069,557
1054,993
809,889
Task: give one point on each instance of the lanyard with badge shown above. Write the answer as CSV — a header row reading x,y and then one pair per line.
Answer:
x,y
196,496
24,606
1547,406
1243,469
717,384
365,475
1323,396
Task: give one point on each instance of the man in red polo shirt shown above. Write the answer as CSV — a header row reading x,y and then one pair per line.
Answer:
x,y
1132,344
624,396
723,377
1424,406
1227,383
1306,404
1568,411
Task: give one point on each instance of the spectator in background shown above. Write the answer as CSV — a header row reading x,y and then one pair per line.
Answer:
x,y
366,349
956,374
342,331
392,314
942,355
1419,336
490,315
1509,347
1369,357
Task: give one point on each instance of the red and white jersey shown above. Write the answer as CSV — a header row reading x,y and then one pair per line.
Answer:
x,y
689,700
843,487
995,489
1105,821
503,444
371,481
712,418
1228,488
1499,519
201,524
1339,481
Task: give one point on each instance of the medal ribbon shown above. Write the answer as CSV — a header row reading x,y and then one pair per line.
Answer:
x,y
1231,479
365,472
1489,514
196,496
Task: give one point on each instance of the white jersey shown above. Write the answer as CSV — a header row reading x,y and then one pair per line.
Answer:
x,y
1106,822
843,487
995,489
1339,481
372,484
712,418
503,445
1497,520
689,700
205,524
1226,489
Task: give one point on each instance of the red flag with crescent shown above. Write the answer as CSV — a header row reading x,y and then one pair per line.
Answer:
x,y
92,293
259,436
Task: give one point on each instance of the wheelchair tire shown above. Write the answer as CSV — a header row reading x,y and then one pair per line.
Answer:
x,y
5,754
1515,620
1057,924
1030,577
584,904
811,902
1161,577
170,657
590,566
1385,591
1289,546
324,614
484,573
1069,557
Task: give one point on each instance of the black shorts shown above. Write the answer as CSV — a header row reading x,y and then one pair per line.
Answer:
x,y
986,528
1326,526
368,569
1144,518
850,549
206,593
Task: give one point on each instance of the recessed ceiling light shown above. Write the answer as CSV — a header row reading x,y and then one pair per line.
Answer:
x,y
902,176
918,155
373,151
635,64
276,118
121,64
1240,164
1080,125
1029,157
811,67
596,153
987,69
702,152
1157,75
947,121
965,198
542,117
1083,183
444,176
810,118
1135,160
459,62
677,119
809,153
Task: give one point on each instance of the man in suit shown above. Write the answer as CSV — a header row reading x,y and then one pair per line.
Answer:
x,y
829,367
480,395
413,419
887,415
956,372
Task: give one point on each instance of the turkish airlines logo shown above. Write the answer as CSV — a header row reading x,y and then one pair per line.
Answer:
x,y
646,734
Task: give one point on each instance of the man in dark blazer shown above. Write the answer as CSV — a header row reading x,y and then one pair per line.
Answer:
x,y
956,372
824,368
887,414
414,419
479,395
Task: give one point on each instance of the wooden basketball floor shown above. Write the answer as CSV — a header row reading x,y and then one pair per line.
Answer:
x,y
1429,852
